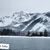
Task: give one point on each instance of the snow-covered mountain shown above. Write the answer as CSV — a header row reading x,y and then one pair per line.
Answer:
x,y
21,21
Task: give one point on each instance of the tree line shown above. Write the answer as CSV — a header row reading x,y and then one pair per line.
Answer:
x,y
7,32
45,33
19,33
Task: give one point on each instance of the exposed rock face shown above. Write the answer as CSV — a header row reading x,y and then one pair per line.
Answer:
x,y
24,22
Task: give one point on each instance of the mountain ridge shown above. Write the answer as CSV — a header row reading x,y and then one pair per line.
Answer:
x,y
21,21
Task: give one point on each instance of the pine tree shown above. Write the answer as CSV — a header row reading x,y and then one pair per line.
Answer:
x,y
33,34
28,33
45,33
41,33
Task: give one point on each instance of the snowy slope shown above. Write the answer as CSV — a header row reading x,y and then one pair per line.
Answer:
x,y
22,21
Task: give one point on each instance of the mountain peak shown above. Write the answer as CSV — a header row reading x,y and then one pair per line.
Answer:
x,y
22,21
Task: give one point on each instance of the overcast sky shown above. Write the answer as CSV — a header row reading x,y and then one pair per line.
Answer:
x,y
7,7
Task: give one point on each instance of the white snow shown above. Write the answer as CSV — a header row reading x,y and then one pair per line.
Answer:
x,y
18,18
38,27
6,22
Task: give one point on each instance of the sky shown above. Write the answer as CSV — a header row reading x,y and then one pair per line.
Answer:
x,y
8,7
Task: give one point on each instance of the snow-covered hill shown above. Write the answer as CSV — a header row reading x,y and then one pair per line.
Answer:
x,y
21,21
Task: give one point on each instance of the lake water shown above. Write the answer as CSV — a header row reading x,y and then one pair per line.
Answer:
x,y
27,43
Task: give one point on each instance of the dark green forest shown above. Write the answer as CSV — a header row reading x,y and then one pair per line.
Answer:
x,y
19,33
